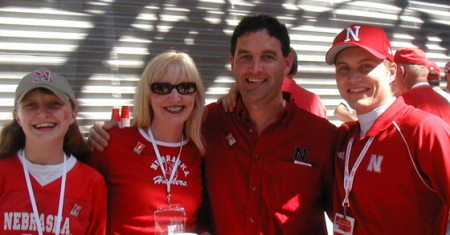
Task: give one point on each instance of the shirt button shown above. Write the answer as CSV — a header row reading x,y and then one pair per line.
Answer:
x,y
250,131
257,157
254,188
251,220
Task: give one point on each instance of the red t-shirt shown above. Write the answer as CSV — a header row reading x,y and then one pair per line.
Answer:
x,y
426,99
395,192
137,186
84,209
305,99
253,182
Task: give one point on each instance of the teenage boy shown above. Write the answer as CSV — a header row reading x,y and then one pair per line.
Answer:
x,y
393,164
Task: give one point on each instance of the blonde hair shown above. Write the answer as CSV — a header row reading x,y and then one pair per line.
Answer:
x,y
181,65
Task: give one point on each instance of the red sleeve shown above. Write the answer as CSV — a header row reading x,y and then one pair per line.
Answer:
x,y
433,153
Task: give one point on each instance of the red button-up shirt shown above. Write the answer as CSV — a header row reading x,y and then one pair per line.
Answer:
x,y
279,182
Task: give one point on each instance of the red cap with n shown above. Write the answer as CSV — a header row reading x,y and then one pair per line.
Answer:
x,y
371,38
411,56
435,71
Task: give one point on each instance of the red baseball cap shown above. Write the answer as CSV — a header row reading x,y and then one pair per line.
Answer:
x,y
371,38
411,56
435,71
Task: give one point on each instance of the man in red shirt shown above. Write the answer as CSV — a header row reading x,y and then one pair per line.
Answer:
x,y
304,99
412,83
269,167
393,164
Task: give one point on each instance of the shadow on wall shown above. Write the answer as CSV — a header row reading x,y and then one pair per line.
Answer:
x,y
193,32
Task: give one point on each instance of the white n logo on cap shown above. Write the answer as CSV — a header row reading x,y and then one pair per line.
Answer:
x,y
355,34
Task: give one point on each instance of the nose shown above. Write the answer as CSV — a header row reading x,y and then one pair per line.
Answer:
x,y
256,65
42,111
354,76
174,95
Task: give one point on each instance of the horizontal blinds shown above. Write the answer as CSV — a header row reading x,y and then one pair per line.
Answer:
x,y
103,46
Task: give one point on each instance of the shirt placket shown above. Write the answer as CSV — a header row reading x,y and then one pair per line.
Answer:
x,y
254,219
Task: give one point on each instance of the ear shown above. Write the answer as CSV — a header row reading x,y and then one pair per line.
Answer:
x,y
74,116
16,116
392,72
289,60
231,62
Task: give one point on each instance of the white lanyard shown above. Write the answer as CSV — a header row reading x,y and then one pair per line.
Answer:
x,y
348,177
160,160
33,199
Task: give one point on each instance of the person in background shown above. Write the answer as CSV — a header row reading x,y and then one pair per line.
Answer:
x,y
393,165
344,112
44,188
154,167
269,165
447,76
434,78
304,99
412,83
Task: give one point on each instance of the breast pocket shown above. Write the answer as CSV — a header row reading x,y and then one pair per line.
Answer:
x,y
292,185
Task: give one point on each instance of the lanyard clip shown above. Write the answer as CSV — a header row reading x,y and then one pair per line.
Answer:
x,y
345,205
168,198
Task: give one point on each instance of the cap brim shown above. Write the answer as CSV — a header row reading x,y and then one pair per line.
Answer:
x,y
56,91
334,51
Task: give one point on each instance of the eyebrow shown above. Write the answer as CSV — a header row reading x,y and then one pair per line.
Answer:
x,y
243,51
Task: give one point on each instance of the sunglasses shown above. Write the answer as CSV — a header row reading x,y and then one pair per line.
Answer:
x,y
184,88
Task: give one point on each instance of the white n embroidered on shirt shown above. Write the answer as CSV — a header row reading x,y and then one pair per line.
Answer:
x,y
375,163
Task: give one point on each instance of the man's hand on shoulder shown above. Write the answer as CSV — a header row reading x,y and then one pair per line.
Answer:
x,y
98,134
229,100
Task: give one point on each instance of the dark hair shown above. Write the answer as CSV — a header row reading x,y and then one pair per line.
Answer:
x,y
251,24
294,67
12,138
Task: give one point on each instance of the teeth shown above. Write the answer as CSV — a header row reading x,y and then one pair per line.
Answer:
x,y
256,80
174,109
357,90
44,125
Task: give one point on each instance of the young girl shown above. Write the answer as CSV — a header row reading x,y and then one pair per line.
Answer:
x,y
44,189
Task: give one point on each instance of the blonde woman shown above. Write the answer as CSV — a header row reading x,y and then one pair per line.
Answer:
x,y
154,168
